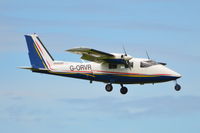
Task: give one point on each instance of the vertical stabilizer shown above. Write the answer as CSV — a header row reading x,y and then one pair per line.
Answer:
x,y
38,54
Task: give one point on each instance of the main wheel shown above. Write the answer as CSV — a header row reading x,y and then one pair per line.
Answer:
x,y
109,87
177,87
123,90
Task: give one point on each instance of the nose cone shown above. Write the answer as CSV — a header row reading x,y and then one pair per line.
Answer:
x,y
177,75
174,74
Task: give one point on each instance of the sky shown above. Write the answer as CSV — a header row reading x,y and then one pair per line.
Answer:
x,y
168,29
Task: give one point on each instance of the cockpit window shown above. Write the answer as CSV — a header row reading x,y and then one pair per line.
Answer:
x,y
148,63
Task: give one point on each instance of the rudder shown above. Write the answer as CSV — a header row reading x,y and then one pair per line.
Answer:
x,y
38,54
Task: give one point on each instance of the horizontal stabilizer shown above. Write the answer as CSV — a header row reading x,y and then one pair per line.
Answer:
x,y
33,69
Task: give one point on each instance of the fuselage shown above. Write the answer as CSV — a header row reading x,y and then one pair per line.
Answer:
x,y
114,73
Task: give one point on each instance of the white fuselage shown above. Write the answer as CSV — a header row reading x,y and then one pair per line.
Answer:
x,y
92,71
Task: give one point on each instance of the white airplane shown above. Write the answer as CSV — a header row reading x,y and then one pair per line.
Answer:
x,y
109,68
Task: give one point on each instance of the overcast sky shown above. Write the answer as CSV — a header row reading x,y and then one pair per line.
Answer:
x,y
168,29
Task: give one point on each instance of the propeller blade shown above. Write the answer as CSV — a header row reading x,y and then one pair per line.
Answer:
x,y
126,61
128,64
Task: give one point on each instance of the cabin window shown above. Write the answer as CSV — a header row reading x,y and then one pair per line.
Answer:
x,y
148,63
112,66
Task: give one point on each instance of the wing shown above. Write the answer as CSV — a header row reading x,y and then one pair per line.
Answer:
x,y
97,56
89,51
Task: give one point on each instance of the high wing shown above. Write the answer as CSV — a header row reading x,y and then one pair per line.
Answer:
x,y
99,56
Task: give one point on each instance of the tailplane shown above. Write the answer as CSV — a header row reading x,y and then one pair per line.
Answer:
x,y
38,54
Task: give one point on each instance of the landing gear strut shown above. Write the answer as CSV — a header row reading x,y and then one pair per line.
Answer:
x,y
123,89
109,87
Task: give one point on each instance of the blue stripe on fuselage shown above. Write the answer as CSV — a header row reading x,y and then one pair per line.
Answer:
x,y
115,78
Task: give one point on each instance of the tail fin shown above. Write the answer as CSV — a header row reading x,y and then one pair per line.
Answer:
x,y
38,54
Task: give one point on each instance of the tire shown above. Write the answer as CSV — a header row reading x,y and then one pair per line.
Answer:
x,y
123,90
177,87
109,87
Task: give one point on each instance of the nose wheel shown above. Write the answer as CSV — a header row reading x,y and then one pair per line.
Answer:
x,y
177,87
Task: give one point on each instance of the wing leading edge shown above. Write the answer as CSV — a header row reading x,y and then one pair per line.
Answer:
x,y
98,56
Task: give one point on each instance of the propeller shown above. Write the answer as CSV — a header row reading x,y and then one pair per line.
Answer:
x,y
127,62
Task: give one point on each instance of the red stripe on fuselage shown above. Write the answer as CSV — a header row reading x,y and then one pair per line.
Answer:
x,y
130,73
109,72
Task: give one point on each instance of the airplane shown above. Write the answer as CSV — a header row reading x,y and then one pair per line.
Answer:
x,y
109,68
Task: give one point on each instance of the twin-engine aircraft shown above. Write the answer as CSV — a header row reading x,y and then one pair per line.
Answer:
x,y
109,68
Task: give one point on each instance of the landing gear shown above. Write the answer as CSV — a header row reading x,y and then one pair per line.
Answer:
x,y
177,87
109,87
123,90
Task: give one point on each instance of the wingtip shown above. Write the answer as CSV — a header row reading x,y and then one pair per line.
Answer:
x,y
77,48
68,50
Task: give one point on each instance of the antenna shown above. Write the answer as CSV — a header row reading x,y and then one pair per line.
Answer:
x,y
124,50
147,55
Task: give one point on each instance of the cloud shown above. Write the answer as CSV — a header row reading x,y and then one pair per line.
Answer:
x,y
27,106
109,106
167,106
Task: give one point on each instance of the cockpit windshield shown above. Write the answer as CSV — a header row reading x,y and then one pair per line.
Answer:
x,y
148,63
